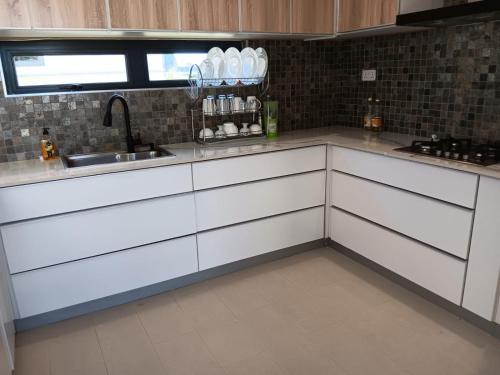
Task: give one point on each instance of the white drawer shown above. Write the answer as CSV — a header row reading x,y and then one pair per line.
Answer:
x,y
441,183
483,272
72,283
209,174
57,239
243,241
49,198
443,225
235,204
440,273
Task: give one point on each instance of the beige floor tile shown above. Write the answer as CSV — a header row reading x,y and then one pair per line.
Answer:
x,y
187,355
230,341
262,363
32,355
240,293
125,344
200,304
74,348
353,351
163,318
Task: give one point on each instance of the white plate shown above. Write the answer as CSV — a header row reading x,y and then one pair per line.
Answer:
x,y
207,72
249,60
262,63
232,66
216,56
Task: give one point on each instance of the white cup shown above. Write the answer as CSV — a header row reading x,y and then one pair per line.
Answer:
x,y
237,104
207,132
253,104
255,129
230,129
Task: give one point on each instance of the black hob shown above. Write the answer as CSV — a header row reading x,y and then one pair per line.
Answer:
x,y
462,150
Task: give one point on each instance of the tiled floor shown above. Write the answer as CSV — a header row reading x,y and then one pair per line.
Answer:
x,y
313,313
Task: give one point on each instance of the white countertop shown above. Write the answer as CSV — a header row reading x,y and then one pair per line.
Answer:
x,y
34,171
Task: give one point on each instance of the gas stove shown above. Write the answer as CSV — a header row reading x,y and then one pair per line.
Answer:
x,y
461,150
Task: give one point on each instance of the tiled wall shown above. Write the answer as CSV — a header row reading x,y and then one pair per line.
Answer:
x,y
443,81
440,81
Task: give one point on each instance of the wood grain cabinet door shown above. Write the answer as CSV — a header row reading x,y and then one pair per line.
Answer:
x,y
362,14
68,14
312,16
144,14
265,16
14,13
209,15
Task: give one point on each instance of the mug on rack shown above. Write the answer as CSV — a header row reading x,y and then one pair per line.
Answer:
x,y
253,104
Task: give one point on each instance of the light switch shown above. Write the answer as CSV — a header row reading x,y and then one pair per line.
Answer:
x,y
25,132
368,75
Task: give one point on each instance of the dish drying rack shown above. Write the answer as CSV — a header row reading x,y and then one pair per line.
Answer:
x,y
198,85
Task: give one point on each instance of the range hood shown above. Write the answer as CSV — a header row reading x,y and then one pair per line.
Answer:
x,y
462,14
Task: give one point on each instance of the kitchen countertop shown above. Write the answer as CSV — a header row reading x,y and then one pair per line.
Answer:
x,y
34,171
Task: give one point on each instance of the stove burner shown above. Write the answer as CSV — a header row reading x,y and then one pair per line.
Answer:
x,y
461,150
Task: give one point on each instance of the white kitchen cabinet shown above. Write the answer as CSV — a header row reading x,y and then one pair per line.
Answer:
x,y
444,184
215,173
230,244
55,197
68,284
93,232
235,204
443,225
483,273
438,272
7,331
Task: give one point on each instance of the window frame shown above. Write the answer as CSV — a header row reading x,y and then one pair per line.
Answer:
x,y
135,52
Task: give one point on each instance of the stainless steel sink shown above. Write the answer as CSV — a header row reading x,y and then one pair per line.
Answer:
x,y
84,160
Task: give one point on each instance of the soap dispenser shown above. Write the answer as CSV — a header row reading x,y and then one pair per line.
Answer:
x,y
47,147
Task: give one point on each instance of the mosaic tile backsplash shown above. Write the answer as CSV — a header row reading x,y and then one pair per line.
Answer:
x,y
442,81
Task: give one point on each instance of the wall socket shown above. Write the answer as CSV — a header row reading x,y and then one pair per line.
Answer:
x,y
25,132
368,75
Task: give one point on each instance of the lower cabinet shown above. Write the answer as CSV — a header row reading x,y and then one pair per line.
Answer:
x,y
432,269
238,203
230,244
482,286
64,285
439,224
94,232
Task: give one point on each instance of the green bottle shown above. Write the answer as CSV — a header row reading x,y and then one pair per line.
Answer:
x,y
271,118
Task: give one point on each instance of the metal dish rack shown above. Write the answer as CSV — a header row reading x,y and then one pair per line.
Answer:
x,y
197,87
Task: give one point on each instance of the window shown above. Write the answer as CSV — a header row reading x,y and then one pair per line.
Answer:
x,y
172,66
69,69
68,66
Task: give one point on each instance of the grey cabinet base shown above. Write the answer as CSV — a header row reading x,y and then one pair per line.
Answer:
x,y
150,290
490,327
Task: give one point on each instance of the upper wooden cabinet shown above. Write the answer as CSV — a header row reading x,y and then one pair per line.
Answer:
x,y
362,14
70,14
265,16
312,16
209,15
14,13
144,14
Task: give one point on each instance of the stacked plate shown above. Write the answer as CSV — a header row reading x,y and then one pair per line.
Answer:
x,y
248,66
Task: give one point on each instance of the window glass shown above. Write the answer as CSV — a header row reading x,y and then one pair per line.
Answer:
x,y
69,69
172,66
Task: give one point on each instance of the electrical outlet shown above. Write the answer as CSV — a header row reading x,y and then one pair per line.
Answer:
x,y
25,132
368,75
